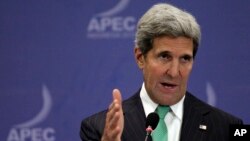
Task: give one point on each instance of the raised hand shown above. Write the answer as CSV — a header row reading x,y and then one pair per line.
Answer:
x,y
114,119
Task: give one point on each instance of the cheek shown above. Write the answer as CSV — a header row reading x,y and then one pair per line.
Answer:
x,y
156,71
185,77
152,73
185,71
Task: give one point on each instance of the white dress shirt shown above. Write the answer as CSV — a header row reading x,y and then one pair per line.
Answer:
x,y
173,119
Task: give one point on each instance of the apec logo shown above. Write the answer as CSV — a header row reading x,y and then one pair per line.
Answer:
x,y
105,25
211,95
27,132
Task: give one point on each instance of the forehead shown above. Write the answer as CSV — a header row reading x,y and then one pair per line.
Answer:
x,y
180,45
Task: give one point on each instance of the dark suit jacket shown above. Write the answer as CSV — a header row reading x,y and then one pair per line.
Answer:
x,y
196,113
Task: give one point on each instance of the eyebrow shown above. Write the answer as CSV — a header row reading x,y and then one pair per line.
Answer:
x,y
169,52
187,55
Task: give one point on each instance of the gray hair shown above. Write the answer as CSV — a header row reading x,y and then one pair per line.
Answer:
x,y
166,20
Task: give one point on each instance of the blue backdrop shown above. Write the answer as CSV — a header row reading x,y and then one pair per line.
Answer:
x,y
60,60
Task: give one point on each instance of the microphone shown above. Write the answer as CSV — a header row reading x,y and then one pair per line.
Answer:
x,y
151,123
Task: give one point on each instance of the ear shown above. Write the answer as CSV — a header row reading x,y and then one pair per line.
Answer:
x,y
139,58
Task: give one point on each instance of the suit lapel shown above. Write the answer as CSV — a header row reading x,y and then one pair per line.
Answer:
x,y
134,119
193,118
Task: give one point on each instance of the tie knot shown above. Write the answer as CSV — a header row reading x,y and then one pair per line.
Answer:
x,y
162,111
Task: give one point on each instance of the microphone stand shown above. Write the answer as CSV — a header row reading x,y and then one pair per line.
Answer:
x,y
148,130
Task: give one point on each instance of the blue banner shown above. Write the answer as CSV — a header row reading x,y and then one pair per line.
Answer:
x,y
61,59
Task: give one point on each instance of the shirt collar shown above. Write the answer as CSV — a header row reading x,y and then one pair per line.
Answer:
x,y
150,106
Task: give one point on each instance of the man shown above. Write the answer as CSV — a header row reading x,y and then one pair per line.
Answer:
x,y
167,40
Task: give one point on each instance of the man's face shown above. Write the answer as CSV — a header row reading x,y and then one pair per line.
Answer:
x,y
166,68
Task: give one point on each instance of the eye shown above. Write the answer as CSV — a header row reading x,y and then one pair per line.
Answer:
x,y
186,58
164,55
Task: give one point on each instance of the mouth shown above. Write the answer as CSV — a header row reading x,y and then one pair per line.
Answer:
x,y
169,85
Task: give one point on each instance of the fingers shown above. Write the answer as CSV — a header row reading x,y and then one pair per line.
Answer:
x,y
113,114
117,96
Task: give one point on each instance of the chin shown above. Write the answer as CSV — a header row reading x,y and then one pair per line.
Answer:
x,y
169,101
166,102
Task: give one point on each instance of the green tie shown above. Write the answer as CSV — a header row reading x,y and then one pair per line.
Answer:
x,y
161,132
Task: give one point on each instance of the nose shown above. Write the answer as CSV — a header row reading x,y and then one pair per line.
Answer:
x,y
173,69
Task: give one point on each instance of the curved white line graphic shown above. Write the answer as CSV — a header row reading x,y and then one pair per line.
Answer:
x,y
47,103
119,7
211,96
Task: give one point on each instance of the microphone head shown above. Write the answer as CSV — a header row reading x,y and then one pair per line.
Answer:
x,y
152,120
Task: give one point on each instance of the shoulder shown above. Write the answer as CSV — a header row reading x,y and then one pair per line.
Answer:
x,y
92,126
214,122
96,118
211,113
